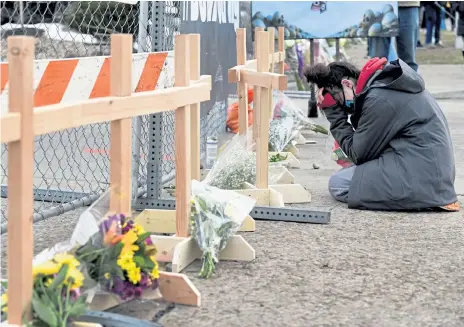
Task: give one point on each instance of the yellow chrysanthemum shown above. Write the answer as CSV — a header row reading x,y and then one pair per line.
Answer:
x,y
77,278
66,259
126,262
155,272
129,238
139,230
134,275
4,298
46,268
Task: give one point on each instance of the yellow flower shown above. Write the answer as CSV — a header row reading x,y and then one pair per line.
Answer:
x,y
66,259
139,230
129,238
46,268
77,278
48,282
4,298
5,308
155,272
125,261
134,275
107,276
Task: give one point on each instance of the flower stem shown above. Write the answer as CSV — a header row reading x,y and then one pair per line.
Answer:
x,y
65,318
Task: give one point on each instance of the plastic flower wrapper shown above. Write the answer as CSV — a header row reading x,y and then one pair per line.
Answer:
x,y
56,293
236,165
215,216
288,120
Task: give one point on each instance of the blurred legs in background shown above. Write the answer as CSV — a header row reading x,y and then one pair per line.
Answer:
x,y
406,40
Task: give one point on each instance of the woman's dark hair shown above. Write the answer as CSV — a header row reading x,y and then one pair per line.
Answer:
x,y
330,76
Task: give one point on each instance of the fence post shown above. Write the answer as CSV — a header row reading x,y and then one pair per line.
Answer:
x,y
194,46
242,88
281,48
262,112
182,149
121,130
21,52
256,90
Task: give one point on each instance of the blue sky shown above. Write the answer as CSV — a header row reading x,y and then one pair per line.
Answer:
x,y
338,16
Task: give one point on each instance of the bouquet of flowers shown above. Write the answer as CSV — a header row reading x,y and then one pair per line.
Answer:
x,y
121,258
56,294
287,121
236,166
215,216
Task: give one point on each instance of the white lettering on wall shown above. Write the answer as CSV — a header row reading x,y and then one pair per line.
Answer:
x,y
214,11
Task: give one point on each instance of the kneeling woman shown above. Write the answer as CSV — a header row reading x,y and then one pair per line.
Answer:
x,y
397,138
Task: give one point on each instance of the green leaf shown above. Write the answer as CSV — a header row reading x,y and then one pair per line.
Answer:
x,y
149,265
44,312
77,309
60,277
116,250
143,237
139,261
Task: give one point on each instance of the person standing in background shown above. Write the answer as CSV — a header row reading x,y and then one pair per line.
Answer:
x,y
406,41
433,22
460,23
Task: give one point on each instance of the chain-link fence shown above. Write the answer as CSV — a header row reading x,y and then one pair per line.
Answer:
x,y
71,166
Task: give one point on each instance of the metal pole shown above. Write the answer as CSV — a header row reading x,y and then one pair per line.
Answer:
x,y
154,169
137,121
312,109
337,50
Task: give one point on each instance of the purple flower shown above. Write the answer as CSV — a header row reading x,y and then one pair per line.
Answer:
x,y
145,281
75,294
118,285
154,283
138,291
106,224
128,293
129,226
148,241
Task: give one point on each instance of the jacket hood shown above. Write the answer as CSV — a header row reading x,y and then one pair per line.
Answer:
x,y
398,76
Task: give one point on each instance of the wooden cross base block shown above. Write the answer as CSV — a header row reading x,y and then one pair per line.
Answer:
x,y
182,251
160,221
276,195
173,287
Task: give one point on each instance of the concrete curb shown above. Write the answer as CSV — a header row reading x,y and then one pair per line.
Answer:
x,y
448,95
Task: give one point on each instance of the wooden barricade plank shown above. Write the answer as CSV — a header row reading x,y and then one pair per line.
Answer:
x,y
195,108
21,51
182,142
262,113
281,48
242,88
121,129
